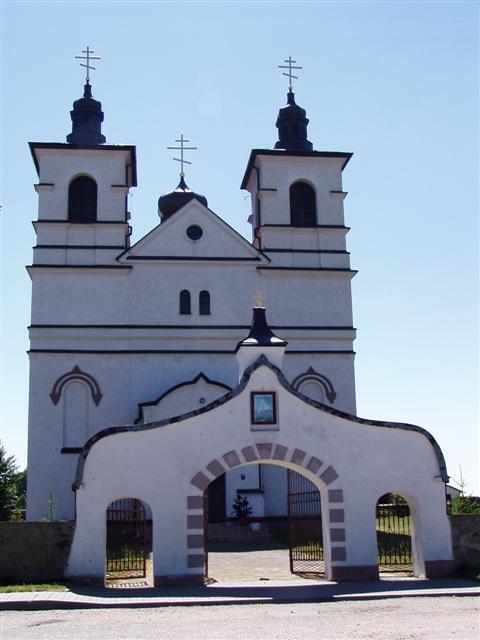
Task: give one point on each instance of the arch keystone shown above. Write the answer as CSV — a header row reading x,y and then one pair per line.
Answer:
x,y
265,450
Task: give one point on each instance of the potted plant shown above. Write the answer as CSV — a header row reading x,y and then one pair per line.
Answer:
x,y
242,509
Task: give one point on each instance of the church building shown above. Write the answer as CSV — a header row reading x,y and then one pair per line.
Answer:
x,y
144,363
125,333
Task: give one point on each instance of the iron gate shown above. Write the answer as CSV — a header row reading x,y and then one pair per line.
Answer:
x,y
126,539
305,539
394,541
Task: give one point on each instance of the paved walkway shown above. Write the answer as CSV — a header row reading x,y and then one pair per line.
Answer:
x,y
242,576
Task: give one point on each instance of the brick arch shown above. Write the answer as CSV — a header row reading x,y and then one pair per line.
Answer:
x,y
261,453
76,374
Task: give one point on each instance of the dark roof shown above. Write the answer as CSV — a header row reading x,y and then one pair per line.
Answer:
x,y
281,152
97,147
260,333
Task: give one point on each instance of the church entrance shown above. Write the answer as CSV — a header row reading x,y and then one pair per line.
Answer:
x,y
244,542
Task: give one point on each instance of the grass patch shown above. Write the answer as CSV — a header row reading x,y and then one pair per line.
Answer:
x,y
34,586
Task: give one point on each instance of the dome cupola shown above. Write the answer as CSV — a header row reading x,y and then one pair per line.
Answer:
x,y
171,202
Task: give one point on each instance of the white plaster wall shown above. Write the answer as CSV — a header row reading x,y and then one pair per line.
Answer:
x,y
324,174
60,166
182,400
157,465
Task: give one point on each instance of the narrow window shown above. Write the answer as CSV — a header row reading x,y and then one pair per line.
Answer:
x,y
82,200
302,205
185,307
204,303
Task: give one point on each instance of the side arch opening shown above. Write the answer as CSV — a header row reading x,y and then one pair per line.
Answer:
x,y
394,527
129,558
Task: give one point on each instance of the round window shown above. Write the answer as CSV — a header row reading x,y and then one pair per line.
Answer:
x,y
194,232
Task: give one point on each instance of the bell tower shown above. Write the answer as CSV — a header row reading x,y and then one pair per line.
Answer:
x,y
83,189
297,195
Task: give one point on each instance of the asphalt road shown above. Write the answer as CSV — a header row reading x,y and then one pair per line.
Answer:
x,y
423,618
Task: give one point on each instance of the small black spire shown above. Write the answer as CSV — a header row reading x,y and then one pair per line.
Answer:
x,y
87,118
260,333
171,202
292,127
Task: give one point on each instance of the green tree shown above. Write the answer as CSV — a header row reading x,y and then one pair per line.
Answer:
x,y
13,486
464,505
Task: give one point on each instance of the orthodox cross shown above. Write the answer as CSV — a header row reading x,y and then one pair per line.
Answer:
x,y
88,57
182,148
290,65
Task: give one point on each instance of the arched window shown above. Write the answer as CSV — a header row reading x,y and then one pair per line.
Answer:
x,y
204,303
185,306
303,211
82,200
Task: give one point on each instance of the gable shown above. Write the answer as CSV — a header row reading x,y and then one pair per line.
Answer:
x,y
170,239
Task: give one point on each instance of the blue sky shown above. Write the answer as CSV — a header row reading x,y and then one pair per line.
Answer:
x,y
394,82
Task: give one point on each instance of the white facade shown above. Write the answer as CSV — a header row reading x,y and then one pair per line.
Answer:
x,y
113,310
134,383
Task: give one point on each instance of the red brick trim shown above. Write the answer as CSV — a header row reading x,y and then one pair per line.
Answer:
x,y
265,450
195,541
314,464
194,522
335,495
280,452
232,459
329,475
337,535
339,554
194,502
197,560
298,456
337,515
215,468
200,481
249,454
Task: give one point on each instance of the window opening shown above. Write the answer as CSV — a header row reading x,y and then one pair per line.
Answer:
x,y
82,200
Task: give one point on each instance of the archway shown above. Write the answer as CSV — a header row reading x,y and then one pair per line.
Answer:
x,y
128,559
394,528
317,553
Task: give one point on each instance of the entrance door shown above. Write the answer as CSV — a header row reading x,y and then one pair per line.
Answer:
x,y
216,500
126,539
304,525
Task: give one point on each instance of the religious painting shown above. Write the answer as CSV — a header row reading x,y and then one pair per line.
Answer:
x,y
263,407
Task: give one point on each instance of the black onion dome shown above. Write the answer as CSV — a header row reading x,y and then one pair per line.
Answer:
x,y
87,118
260,334
292,124
171,202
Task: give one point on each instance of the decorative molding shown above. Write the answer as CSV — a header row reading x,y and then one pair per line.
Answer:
x,y
76,374
187,383
262,361
311,374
